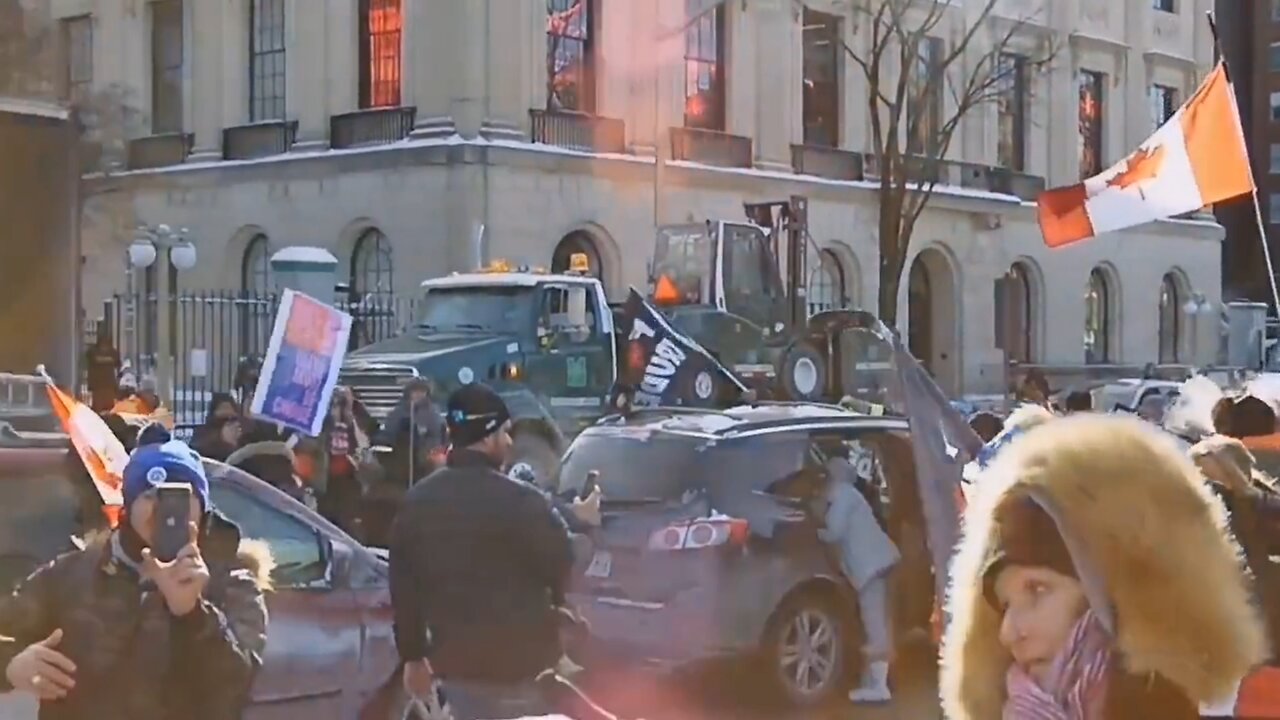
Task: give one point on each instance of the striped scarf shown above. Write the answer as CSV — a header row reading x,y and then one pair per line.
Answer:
x,y
1076,685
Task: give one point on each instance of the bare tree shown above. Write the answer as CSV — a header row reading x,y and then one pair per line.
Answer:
x,y
920,87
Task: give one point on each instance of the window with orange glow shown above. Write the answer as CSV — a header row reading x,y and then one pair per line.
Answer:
x,y
704,67
1089,84
381,25
570,75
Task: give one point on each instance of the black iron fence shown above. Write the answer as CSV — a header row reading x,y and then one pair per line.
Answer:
x,y
211,332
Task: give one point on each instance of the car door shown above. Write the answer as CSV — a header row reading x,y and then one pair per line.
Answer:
x,y
314,624
575,369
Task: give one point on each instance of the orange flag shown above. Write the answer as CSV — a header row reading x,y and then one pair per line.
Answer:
x,y
100,450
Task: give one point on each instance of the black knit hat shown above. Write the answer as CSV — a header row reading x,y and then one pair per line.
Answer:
x,y
474,413
1024,535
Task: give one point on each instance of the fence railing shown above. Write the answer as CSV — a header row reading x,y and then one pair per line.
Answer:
x,y
211,332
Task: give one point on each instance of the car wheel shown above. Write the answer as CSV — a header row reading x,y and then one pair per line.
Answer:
x,y
534,454
806,651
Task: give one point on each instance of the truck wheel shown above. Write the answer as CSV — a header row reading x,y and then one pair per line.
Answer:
x,y
802,372
535,452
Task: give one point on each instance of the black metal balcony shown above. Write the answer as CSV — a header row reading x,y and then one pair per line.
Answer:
x,y
918,168
578,131
365,128
710,147
827,162
257,140
156,151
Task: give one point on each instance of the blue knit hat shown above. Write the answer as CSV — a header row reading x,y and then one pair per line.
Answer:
x,y
172,462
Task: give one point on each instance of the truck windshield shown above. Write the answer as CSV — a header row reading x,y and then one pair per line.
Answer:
x,y
500,308
684,256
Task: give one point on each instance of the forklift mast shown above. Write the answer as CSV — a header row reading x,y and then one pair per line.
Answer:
x,y
787,222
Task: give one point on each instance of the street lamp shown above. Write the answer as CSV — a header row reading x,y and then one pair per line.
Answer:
x,y
1195,307
150,243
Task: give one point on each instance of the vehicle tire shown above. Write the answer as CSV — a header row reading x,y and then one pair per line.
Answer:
x,y
807,650
802,372
535,451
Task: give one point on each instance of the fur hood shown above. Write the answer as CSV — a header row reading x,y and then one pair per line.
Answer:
x,y
254,556
1149,542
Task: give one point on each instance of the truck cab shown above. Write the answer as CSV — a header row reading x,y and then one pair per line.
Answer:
x,y
545,342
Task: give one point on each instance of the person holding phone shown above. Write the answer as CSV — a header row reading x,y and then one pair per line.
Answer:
x,y
163,618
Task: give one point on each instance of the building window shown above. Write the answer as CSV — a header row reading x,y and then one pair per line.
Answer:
x,y
77,38
1170,319
1275,106
704,82
821,79
1097,319
1275,10
266,60
827,284
1275,157
1021,316
1164,103
371,265
1163,5
255,267
166,66
1089,84
924,103
570,56
1273,207
380,50
1011,147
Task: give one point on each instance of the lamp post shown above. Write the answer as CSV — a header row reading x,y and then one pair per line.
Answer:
x,y
1195,307
175,246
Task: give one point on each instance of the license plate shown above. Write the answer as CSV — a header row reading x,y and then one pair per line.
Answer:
x,y
601,565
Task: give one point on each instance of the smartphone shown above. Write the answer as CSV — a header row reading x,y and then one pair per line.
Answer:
x,y
171,531
591,485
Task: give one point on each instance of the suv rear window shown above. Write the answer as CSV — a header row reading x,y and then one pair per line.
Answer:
x,y
635,465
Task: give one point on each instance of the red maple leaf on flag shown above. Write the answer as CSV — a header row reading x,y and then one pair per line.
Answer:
x,y
1143,165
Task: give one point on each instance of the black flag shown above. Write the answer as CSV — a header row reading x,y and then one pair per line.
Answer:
x,y
662,367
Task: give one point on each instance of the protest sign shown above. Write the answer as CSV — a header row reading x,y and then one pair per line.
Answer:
x,y
308,343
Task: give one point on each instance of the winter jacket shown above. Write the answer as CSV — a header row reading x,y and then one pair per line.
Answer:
x,y
134,660
1149,541
479,563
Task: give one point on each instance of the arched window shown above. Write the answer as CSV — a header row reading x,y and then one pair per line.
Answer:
x,y
826,284
572,244
1170,319
1097,318
255,267
1021,314
371,264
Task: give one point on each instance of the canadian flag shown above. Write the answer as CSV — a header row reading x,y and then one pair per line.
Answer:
x,y
1197,158
101,452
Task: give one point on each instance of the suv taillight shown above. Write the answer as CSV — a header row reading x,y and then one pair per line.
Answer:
x,y
699,534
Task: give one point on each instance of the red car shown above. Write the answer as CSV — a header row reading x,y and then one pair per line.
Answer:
x,y
330,652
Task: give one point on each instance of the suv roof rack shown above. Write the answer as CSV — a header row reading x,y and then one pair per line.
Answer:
x,y
617,417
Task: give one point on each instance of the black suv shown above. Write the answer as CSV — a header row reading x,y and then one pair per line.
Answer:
x,y
709,547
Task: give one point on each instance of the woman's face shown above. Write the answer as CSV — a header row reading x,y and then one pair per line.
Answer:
x,y
1040,607
230,433
225,409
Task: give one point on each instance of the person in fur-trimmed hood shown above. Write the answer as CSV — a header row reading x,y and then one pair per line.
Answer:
x,y
1095,580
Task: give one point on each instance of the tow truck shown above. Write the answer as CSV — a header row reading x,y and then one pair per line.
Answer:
x,y
544,341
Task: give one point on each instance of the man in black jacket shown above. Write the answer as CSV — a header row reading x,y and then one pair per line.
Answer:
x,y
479,567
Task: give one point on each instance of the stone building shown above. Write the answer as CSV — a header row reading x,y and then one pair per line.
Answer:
x,y
417,137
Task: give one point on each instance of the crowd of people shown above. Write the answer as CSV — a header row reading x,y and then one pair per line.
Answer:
x,y
1112,565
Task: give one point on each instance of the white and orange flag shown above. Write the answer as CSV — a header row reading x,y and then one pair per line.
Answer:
x,y
100,450
1197,158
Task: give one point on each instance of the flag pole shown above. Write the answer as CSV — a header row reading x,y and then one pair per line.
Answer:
x,y
1257,207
